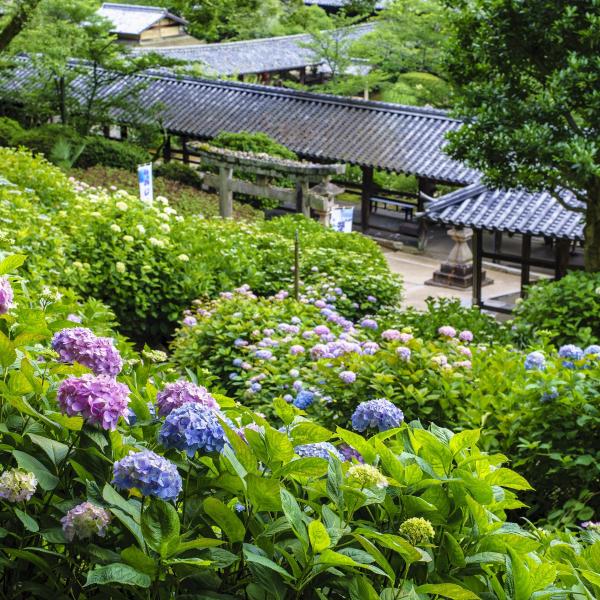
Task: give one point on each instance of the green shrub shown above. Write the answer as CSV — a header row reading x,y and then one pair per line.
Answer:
x,y
110,153
10,130
569,308
252,142
178,171
269,514
42,140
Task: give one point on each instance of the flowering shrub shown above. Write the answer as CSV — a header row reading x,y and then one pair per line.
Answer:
x,y
277,508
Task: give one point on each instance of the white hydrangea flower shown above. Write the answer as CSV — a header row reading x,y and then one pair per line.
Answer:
x,y
114,227
120,266
122,205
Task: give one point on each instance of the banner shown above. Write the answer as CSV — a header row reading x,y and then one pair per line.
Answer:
x,y
145,181
341,219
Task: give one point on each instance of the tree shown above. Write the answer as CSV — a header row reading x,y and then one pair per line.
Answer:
x,y
17,15
528,80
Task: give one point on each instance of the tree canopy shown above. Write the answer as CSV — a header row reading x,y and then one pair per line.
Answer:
x,y
528,82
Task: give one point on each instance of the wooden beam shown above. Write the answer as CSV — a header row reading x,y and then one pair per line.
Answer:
x,y
526,263
366,193
562,249
166,151
477,266
185,150
427,187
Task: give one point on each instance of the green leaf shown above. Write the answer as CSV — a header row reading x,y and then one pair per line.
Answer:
x,y
263,493
507,478
47,480
198,543
231,526
279,447
8,354
394,542
361,589
521,579
357,442
12,262
160,527
118,573
592,577
448,590
112,497
292,511
309,433
464,439
264,561
28,522
285,411
306,467
56,451
455,552
335,481
319,538
140,561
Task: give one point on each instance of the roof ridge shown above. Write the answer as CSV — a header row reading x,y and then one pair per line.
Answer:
x,y
161,9
282,91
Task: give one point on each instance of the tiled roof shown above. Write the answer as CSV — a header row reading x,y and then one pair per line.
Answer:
x,y
281,53
131,19
341,3
398,138
513,211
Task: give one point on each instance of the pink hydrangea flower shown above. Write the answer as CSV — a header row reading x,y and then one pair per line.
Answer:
x,y
447,331
176,394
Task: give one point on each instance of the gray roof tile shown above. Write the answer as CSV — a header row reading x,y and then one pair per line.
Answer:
x,y
131,19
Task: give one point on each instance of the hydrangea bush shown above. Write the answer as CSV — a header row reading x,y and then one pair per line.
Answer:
x,y
242,506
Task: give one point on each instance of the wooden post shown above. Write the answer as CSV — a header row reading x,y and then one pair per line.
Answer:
x,y
428,188
367,189
497,244
296,266
123,132
184,150
225,193
526,263
562,258
477,266
106,131
167,149
302,75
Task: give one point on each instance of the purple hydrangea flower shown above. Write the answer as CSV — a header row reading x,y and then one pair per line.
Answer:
x,y
318,351
193,427
74,318
79,344
465,336
98,399
447,331
263,354
369,324
288,398
6,295
348,376
380,414
369,348
391,334
318,450
349,453
238,507
570,352
304,399
322,330
549,396
371,299
17,485
237,362
84,521
150,473
320,303
190,321
239,343
178,393
592,350
255,387
535,361
404,353
296,349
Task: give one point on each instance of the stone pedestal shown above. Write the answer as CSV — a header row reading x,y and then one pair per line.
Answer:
x,y
322,201
457,271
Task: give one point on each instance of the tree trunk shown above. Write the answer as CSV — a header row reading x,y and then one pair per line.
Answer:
x,y
592,228
17,23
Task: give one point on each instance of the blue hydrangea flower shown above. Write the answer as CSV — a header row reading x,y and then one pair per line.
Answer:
x,y
380,414
549,396
535,361
304,399
193,427
592,350
150,473
238,507
318,450
263,354
571,353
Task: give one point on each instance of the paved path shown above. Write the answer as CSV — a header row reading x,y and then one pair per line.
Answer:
x,y
416,269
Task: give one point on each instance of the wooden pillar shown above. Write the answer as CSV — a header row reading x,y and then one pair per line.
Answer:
x,y
225,193
526,263
166,150
367,190
303,75
428,188
123,132
562,258
477,266
184,150
497,244
106,131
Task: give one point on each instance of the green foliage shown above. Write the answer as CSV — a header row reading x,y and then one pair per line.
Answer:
x,y
178,171
418,89
531,123
109,153
568,308
256,518
259,143
43,139
9,131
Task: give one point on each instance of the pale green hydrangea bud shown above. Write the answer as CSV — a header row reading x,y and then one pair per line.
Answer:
x,y
417,530
17,485
366,476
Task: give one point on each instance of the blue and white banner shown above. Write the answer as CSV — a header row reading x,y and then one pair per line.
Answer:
x,y
145,181
341,219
